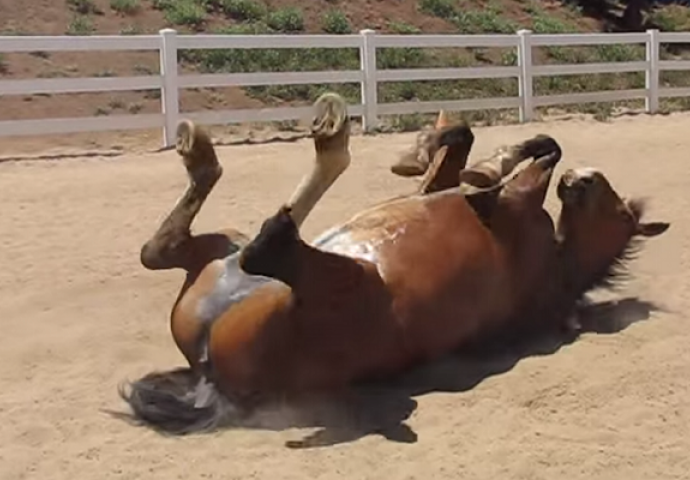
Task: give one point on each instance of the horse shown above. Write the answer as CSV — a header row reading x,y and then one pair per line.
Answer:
x,y
399,284
174,247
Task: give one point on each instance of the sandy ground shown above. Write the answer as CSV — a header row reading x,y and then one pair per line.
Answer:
x,y
79,315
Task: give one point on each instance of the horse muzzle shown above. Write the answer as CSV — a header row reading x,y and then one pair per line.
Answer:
x,y
572,188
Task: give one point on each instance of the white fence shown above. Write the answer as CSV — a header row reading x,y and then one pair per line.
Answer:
x,y
168,42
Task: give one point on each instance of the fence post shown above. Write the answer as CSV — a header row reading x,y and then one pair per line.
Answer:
x,y
367,57
525,78
652,73
169,93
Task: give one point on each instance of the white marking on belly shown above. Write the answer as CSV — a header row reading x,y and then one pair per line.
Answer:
x,y
232,285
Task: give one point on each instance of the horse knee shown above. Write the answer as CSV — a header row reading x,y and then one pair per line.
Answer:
x,y
151,257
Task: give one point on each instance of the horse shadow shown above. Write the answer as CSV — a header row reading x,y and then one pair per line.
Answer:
x,y
382,408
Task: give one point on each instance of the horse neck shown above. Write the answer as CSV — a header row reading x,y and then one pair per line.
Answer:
x,y
526,234
589,255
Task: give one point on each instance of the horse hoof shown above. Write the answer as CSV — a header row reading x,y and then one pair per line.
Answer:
x,y
540,146
185,137
199,157
331,115
409,168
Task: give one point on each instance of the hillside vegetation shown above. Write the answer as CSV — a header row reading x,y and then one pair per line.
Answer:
x,y
85,17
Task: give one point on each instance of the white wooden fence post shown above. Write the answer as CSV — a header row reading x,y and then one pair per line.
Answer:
x,y
652,73
525,80
169,93
367,57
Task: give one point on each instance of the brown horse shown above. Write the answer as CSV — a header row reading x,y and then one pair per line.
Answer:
x,y
401,283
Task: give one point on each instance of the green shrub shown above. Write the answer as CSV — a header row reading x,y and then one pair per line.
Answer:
x,y
185,12
162,4
335,22
286,20
671,18
403,28
80,25
244,10
438,8
484,21
125,7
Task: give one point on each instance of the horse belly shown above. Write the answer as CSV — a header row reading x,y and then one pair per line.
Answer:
x,y
268,345
205,299
449,281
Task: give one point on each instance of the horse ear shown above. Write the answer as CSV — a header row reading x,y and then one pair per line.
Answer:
x,y
441,120
652,229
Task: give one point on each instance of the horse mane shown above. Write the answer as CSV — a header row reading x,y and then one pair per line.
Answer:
x,y
617,273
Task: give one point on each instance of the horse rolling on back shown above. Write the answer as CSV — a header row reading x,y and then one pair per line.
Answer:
x,y
400,283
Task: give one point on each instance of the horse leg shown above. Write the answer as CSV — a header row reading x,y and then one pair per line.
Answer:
x,y
173,246
491,171
330,131
459,140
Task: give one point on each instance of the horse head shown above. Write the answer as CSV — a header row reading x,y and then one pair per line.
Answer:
x,y
597,228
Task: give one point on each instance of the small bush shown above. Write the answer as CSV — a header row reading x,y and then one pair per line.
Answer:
x,y
542,23
619,53
402,57
244,10
438,8
185,12
488,20
4,68
125,7
162,4
335,22
80,25
671,18
403,28
286,20
388,58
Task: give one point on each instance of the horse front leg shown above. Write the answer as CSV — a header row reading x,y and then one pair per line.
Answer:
x,y
490,172
172,245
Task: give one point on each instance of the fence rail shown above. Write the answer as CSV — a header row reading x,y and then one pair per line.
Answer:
x,y
170,81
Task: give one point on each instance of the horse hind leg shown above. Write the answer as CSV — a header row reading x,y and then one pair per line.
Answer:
x,y
172,244
457,141
330,131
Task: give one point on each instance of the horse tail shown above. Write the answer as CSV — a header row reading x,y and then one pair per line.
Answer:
x,y
178,402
